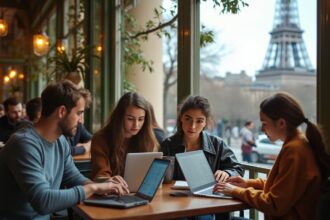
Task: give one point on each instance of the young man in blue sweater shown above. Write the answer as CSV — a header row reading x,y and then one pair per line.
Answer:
x,y
36,161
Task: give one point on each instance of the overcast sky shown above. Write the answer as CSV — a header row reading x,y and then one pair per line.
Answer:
x,y
246,35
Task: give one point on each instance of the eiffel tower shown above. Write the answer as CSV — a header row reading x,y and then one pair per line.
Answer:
x,y
286,61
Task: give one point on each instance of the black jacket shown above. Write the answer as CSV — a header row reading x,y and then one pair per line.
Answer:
x,y
218,154
6,128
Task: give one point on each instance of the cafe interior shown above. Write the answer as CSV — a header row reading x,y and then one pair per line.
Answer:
x,y
38,36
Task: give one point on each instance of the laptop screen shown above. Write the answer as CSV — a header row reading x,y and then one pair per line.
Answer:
x,y
136,167
152,179
196,169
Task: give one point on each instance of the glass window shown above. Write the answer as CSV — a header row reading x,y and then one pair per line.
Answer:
x,y
96,67
266,48
170,64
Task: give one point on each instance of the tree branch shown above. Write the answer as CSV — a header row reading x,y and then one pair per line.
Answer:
x,y
161,26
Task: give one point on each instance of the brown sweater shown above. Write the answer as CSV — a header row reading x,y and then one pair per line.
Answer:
x,y
100,157
292,188
100,152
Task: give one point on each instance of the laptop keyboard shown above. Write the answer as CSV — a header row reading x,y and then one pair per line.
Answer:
x,y
127,199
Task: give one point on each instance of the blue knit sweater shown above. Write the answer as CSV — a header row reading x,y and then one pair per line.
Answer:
x,y
32,171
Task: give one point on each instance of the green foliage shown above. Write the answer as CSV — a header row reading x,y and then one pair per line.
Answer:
x,y
133,36
229,6
63,63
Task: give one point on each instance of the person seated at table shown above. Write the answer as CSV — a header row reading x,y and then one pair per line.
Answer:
x,y
8,122
194,115
128,129
33,113
293,186
81,141
36,161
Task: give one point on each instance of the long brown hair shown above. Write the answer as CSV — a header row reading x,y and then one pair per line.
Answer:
x,y
114,132
283,105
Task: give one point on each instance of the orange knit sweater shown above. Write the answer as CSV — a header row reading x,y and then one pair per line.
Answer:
x,y
292,188
100,157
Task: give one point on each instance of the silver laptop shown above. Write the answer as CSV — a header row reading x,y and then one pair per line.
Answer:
x,y
198,174
136,167
145,193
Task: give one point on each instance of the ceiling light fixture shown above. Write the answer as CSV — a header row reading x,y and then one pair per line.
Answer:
x,y
3,26
40,44
40,40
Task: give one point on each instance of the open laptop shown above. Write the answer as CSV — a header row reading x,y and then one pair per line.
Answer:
x,y
143,196
198,174
136,167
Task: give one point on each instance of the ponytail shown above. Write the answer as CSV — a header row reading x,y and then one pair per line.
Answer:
x,y
314,136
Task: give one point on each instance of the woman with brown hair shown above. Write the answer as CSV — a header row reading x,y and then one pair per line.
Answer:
x,y
129,129
194,116
302,166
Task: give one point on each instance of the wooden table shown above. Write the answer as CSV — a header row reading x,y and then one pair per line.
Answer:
x,y
163,206
83,157
83,163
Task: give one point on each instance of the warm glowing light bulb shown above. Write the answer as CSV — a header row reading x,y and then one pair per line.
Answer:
x,y
99,48
40,44
6,79
60,46
12,73
3,28
21,76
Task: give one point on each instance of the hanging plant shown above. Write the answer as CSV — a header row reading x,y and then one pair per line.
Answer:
x,y
71,66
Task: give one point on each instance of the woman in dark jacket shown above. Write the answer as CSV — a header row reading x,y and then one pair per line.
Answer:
x,y
193,117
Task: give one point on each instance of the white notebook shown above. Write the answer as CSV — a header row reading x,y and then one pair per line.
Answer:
x,y
179,184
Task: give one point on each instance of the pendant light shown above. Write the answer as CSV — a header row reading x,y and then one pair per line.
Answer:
x,y
3,27
40,44
60,48
40,40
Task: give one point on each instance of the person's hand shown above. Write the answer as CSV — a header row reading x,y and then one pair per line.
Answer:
x,y
86,145
112,188
118,179
225,188
237,181
221,176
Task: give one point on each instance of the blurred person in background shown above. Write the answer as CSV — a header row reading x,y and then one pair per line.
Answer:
x,y
2,110
81,141
248,141
8,122
33,113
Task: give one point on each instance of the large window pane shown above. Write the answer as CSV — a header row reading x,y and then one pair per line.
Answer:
x,y
256,53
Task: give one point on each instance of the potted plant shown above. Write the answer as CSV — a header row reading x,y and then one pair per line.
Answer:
x,y
69,66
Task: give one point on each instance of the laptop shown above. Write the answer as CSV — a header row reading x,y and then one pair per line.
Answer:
x,y
144,195
198,174
136,167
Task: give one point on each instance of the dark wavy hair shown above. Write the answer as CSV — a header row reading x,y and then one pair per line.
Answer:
x,y
59,93
114,132
283,105
194,102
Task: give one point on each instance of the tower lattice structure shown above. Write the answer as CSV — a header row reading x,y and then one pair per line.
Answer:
x,y
286,56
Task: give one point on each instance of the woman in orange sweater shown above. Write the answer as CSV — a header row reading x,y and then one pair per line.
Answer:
x,y
294,183
129,129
